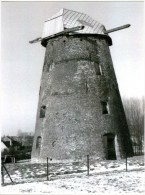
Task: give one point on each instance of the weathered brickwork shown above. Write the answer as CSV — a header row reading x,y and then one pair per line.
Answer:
x,y
78,78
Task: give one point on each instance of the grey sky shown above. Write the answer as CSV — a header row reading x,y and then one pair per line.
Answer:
x,y
22,62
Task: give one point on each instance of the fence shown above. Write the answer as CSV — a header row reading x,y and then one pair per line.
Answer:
x,y
138,150
28,172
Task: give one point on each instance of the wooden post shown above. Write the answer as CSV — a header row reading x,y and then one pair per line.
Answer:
x,y
2,173
7,173
126,162
88,165
47,170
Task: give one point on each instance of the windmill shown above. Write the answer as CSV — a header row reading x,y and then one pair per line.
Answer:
x,y
80,111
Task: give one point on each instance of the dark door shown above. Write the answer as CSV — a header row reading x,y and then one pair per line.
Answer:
x,y
109,146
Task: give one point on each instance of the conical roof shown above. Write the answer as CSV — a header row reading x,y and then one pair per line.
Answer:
x,y
68,19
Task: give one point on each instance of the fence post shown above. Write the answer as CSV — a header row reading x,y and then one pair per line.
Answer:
x,y
47,170
126,162
88,165
2,173
7,172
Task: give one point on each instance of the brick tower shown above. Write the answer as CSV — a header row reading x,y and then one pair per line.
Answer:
x,y
80,111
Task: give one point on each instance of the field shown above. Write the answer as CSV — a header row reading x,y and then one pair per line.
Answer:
x,y
69,178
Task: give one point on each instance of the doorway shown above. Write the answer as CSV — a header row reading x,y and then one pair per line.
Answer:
x,y
109,146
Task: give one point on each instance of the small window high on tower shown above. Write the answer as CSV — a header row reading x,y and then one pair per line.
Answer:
x,y
42,111
105,107
98,69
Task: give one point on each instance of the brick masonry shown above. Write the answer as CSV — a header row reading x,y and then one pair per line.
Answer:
x,y
72,89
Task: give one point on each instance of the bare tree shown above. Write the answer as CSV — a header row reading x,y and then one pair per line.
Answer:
x,y
134,110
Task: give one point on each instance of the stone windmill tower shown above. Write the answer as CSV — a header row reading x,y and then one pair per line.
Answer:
x,y
80,111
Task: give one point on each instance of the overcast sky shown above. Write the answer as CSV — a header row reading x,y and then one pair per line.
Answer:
x,y
22,62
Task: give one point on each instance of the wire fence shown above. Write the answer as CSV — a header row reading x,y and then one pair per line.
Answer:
x,y
14,173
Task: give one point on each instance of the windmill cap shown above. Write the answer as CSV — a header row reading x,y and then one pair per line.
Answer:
x,y
65,19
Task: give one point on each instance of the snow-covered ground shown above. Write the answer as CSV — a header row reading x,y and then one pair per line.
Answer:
x,y
70,178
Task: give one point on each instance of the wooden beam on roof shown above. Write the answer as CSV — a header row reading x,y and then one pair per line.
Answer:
x,y
68,30
117,28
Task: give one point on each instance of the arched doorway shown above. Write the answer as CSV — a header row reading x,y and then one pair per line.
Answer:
x,y
38,142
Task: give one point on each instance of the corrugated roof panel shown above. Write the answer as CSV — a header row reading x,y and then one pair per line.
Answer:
x,y
73,19
68,19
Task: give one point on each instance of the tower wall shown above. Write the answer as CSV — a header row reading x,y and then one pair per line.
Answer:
x,y
77,77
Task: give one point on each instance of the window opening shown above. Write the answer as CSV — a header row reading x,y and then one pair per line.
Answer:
x,y
42,111
50,67
38,142
86,86
39,90
105,107
98,69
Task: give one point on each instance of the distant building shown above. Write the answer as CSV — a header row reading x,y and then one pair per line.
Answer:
x,y
4,147
5,158
12,141
19,147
